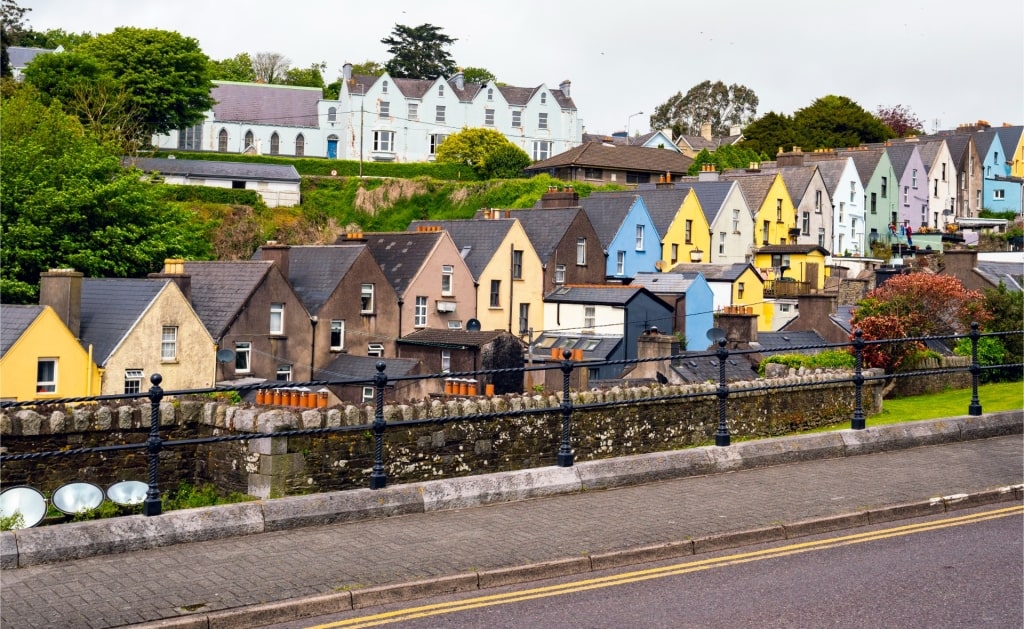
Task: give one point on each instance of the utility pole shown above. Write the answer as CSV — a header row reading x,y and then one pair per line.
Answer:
x,y
362,108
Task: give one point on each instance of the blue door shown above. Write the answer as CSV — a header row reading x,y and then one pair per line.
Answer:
x,y
332,149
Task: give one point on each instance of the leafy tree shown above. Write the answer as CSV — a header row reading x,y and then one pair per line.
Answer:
x,y
471,146
505,162
371,68
505,352
165,74
11,31
913,305
52,38
1007,308
769,133
270,67
58,77
69,203
728,156
418,52
836,121
306,77
478,75
237,68
706,102
901,120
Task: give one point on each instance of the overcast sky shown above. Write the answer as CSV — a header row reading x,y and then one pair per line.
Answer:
x,y
950,61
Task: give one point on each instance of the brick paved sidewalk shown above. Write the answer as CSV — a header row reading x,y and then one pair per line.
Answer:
x,y
206,577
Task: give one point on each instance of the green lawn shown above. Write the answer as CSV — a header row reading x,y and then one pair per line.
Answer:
x,y
1000,396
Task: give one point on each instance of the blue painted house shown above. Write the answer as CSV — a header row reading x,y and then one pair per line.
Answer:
x,y
628,235
691,297
1000,192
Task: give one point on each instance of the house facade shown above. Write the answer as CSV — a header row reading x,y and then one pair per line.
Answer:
x,y
628,235
277,185
606,163
774,214
565,240
691,299
730,221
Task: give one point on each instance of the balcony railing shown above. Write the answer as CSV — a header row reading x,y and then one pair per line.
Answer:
x,y
786,288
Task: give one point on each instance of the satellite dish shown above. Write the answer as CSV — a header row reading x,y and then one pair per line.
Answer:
x,y
473,325
225,355
714,334
127,492
24,500
75,498
660,265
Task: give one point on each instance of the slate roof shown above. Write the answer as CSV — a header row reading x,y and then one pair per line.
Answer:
x,y
842,316
214,170
831,173
607,213
715,272
712,196
350,367
983,140
111,307
662,203
698,142
929,150
606,345
402,254
797,179
314,271
619,157
804,249
606,139
666,283
266,104
454,339
477,240
702,368
957,145
1009,137
754,186
14,320
545,228
1009,273
601,294
21,56
784,342
417,88
866,161
899,155
221,289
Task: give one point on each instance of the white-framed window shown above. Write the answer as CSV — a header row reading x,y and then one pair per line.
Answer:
x,y
366,298
543,98
300,145
778,210
332,114
375,349
384,87
524,318
639,237
805,224
581,251
913,178
249,140
721,242
446,360
46,375
675,252
133,381
277,318
735,221
490,93
688,229
541,150
222,141
783,307
489,117
454,324
385,109
384,141
440,90
439,114
559,274
589,317
620,263
817,200
337,335
517,264
275,143
368,395
998,194
495,300
740,287
435,141
243,357
191,138
169,342
906,195
284,373
517,118
447,277
414,111
853,192
821,237
542,120
885,187
419,315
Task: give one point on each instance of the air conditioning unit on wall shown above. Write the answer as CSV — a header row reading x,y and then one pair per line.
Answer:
x,y
445,306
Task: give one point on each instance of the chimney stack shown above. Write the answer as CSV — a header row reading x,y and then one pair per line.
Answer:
x,y
705,131
278,253
346,71
174,270
61,289
564,86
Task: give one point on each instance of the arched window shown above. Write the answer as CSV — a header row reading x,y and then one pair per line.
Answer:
x,y
543,98
490,93
248,140
384,87
275,143
332,114
300,145
440,90
222,140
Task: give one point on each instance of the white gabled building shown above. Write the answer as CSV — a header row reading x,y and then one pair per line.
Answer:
x,y
379,119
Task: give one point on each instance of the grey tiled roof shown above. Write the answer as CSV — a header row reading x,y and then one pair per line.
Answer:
x,y
899,155
831,173
662,203
1009,273
1009,137
111,308
983,140
666,283
606,344
220,289
694,367
458,339
606,214
957,145
14,320
714,272
842,317
349,367
402,254
315,271
792,249
417,88
265,104
712,196
21,56
754,186
477,240
214,170
545,228
783,342
631,158
866,161
609,295
600,137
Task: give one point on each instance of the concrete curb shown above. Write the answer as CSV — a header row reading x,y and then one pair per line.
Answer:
x,y
291,610
63,542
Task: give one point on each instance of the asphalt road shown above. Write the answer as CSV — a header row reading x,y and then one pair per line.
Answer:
x,y
962,569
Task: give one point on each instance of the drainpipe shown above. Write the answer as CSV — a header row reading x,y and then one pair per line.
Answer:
x,y
312,348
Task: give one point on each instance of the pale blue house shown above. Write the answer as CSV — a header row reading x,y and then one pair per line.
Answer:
x,y
1000,192
690,296
628,235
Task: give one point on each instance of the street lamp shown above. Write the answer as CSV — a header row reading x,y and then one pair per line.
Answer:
x,y
630,117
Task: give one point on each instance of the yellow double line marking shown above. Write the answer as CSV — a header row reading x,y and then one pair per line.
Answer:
x,y
664,571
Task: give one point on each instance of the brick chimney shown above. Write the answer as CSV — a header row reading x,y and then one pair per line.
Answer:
x,y
174,270
707,173
651,344
740,327
61,289
705,131
276,252
557,199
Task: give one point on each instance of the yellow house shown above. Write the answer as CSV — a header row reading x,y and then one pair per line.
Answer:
x,y
505,267
1014,152
734,286
774,214
686,237
41,359
803,266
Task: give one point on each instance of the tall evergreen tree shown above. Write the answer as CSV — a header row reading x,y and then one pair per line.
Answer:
x,y
418,52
